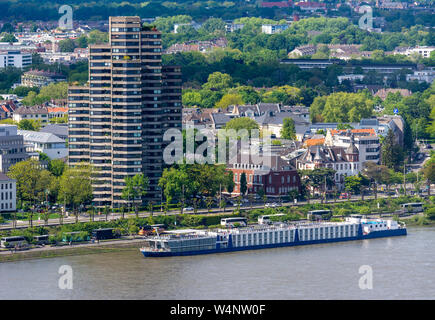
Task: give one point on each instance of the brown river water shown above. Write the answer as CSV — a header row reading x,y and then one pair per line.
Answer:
x,y
402,268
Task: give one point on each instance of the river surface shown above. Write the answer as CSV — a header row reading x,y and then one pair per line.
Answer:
x,y
402,268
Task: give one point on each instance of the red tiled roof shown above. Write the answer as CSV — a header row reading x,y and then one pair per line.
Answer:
x,y
314,142
57,109
369,131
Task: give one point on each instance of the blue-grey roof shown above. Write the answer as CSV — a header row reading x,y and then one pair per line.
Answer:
x,y
40,137
56,129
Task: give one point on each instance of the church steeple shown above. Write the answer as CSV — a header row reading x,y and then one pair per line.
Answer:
x,y
352,151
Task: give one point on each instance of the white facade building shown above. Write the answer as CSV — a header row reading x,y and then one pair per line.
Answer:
x,y
273,28
350,77
424,51
422,76
15,59
8,193
365,140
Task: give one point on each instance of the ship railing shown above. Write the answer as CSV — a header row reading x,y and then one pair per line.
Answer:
x,y
150,249
263,229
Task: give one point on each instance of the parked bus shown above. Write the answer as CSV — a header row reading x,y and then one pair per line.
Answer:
x,y
266,219
319,214
9,242
412,207
43,239
230,222
103,234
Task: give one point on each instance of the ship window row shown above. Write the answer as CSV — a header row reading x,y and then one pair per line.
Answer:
x,y
263,238
327,232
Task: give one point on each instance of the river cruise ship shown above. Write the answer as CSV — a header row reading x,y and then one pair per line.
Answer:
x,y
192,242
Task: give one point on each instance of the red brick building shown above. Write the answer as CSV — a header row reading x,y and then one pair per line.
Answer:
x,y
276,180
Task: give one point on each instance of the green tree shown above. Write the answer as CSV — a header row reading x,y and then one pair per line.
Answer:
x,y
243,184
353,184
67,45
98,37
9,38
392,153
191,98
29,124
32,182
242,123
218,81
135,188
75,187
288,130
82,41
429,174
318,179
230,99
376,174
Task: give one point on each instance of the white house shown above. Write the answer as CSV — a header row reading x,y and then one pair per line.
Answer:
x,y
53,146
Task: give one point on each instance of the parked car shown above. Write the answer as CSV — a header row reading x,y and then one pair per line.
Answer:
x,y
345,195
272,205
188,209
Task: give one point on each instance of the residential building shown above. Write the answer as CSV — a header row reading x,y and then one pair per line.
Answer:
x,y
427,75
344,160
276,176
40,78
312,63
56,112
15,59
324,63
7,108
386,68
59,130
424,51
38,113
8,194
117,122
273,28
366,141
390,5
350,77
35,142
199,118
307,50
339,51
12,149
231,27
390,122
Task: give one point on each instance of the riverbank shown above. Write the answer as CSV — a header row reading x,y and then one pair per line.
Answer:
x,y
418,220
71,250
